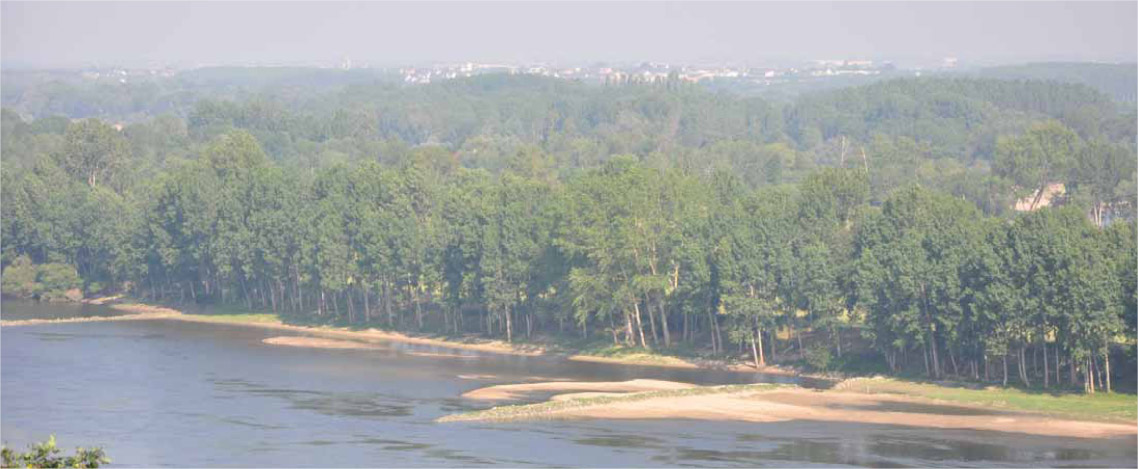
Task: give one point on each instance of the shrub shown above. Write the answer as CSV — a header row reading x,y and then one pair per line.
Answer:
x,y
19,279
818,358
45,455
48,282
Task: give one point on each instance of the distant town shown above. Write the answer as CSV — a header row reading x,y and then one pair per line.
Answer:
x,y
644,72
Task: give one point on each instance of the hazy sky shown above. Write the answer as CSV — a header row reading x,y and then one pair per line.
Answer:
x,y
85,33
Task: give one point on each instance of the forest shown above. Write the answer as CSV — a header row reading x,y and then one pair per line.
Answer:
x,y
864,228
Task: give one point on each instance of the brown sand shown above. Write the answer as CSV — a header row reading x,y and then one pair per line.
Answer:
x,y
316,342
517,391
102,300
584,395
830,406
442,355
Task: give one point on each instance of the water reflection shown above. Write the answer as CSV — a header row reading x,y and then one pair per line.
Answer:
x,y
11,310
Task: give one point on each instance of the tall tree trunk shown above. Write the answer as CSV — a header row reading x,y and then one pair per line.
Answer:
x,y
415,300
461,326
758,335
612,327
651,319
1106,361
509,325
529,324
928,372
718,333
664,323
936,359
837,339
1005,369
629,336
1071,367
273,295
351,310
639,324
1034,360
1090,375
1098,372
367,303
1023,366
1057,375
1046,373
798,336
387,304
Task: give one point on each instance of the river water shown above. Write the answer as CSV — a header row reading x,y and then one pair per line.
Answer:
x,y
168,393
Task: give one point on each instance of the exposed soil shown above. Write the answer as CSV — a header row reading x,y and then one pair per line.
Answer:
x,y
788,404
316,342
520,391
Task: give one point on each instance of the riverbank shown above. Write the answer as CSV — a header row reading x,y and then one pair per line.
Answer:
x,y
884,405
143,311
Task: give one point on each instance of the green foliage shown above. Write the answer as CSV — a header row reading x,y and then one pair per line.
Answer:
x,y
46,282
1117,80
818,358
645,216
45,455
92,151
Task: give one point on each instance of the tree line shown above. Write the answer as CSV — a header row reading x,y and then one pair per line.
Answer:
x,y
645,249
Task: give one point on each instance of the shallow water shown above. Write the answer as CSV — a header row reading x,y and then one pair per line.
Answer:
x,y
167,393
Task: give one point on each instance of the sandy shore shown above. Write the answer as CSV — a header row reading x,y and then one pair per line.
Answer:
x,y
316,342
781,404
519,391
801,404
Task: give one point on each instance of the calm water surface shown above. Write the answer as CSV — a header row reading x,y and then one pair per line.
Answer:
x,y
166,393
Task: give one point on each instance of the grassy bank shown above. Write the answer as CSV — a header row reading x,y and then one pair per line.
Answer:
x,y
1113,407
542,409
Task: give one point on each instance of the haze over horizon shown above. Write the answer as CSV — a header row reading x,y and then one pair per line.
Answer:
x,y
69,35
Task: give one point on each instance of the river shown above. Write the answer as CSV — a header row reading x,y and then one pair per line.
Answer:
x,y
170,393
